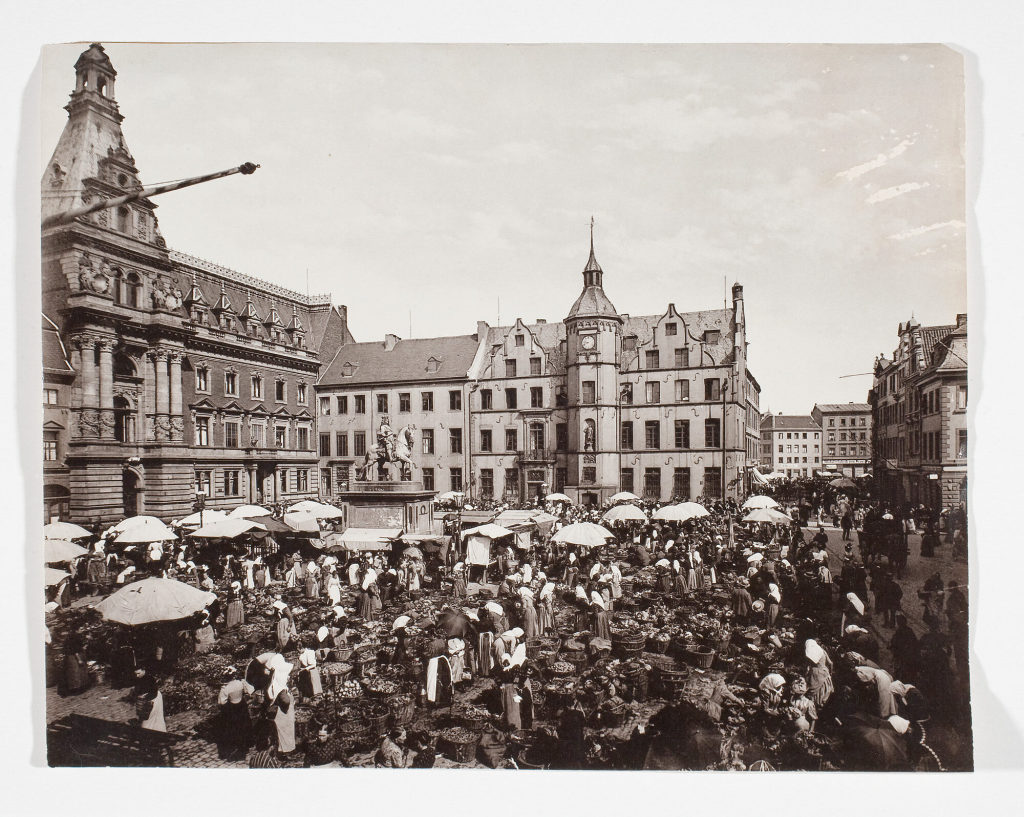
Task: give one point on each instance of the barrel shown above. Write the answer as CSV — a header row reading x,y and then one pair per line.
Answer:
x,y
637,679
671,682
627,644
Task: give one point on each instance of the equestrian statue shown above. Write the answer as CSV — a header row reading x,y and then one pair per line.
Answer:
x,y
390,447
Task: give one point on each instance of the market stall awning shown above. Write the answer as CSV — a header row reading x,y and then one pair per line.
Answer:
x,y
320,510
227,529
759,502
142,530
586,534
477,517
200,518
361,539
53,576
489,531
154,599
60,550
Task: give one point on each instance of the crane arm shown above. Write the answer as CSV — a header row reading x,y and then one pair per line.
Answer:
x,y
70,215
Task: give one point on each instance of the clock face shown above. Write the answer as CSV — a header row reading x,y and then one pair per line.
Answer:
x,y
587,342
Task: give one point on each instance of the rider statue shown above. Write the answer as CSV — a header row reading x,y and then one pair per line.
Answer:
x,y
386,438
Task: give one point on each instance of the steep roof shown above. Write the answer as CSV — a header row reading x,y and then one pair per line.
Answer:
x,y
593,303
930,335
842,407
418,359
55,355
789,422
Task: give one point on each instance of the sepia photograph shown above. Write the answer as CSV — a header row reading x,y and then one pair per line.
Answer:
x,y
530,407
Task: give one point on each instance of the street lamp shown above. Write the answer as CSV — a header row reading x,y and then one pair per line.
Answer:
x,y
200,504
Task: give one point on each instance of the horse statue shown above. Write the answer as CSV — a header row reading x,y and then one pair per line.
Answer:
x,y
378,454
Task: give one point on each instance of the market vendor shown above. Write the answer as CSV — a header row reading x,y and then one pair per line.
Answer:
x,y
545,608
285,630
772,687
819,676
459,580
234,726
720,694
309,684
281,704
881,683
203,635
801,708
149,700
741,600
600,618
528,613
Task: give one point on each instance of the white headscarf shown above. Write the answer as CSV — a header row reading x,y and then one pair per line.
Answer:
x,y
547,590
369,578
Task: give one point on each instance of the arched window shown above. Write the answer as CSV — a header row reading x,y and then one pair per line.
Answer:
x,y
117,289
101,86
132,290
124,421
123,222
124,367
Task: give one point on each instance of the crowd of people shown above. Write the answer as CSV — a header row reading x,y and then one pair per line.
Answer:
x,y
842,648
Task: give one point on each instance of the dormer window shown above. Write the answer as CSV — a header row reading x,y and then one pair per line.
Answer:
x,y
433,365
348,370
670,328
520,340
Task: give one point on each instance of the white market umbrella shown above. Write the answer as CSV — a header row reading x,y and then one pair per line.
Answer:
x,y
143,529
59,550
624,512
488,531
249,512
694,509
759,502
193,520
557,498
623,496
586,534
762,515
52,576
302,522
64,530
780,516
154,599
227,528
450,496
672,513
320,510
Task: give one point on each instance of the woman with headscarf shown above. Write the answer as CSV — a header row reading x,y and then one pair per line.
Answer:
x,y
309,673
528,613
312,581
600,620
76,676
771,688
203,635
459,580
881,681
819,676
285,631
234,726
291,578
149,701
545,608
664,580
234,614
281,704
333,586
772,601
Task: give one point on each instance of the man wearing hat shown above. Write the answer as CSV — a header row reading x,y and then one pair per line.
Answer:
x,y
741,600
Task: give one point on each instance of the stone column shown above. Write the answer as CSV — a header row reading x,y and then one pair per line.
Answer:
x,y
76,365
150,386
90,384
253,487
177,423
106,387
163,405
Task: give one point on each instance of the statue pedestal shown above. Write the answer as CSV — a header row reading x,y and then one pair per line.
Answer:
x,y
388,504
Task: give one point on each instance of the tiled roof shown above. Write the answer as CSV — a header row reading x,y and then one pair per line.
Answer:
x,y
593,303
930,335
842,407
789,422
54,352
418,359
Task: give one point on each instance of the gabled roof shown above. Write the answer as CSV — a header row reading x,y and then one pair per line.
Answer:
x,y
408,360
789,422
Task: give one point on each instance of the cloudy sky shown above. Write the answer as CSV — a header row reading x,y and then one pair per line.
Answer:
x,y
436,180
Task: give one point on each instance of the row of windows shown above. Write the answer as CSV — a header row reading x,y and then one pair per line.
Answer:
x,y
258,435
255,386
842,421
798,435
854,450
652,391
842,436
289,480
816,460
341,403
795,449
681,434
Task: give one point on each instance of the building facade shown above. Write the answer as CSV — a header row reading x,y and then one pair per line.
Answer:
x,y
791,444
182,377
662,405
918,402
847,432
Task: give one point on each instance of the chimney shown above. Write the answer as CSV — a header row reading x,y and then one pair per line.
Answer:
x,y
737,292
961,320
390,341
481,330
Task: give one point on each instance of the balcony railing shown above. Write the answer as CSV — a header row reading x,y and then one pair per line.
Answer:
x,y
536,455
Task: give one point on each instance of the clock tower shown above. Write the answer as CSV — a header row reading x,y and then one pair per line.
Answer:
x,y
593,342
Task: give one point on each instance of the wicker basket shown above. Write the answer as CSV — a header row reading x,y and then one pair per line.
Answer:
x,y
464,752
577,659
402,708
700,656
659,646
336,673
352,732
376,716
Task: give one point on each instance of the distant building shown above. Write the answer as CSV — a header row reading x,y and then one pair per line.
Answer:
x,y
165,376
847,431
919,410
791,445
661,405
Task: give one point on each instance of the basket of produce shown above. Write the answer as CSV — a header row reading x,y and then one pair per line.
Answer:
x,y
671,681
376,716
612,714
473,718
658,643
352,731
385,655
562,668
336,673
700,656
459,744
402,708
546,657
365,661
349,691
345,712
382,687
340,654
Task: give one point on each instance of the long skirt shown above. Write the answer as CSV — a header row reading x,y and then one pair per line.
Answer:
x,y
545,617
312,587
510,706
235,733
76,675
682,586
601,626
364,607
234,615
309,682
284,724
459,587
819,685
